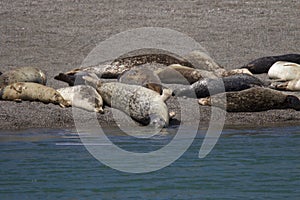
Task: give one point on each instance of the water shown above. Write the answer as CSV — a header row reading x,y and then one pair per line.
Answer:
x,y
250,164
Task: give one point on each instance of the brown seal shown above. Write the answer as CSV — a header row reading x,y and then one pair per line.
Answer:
x,y
32,92
178,74
252,100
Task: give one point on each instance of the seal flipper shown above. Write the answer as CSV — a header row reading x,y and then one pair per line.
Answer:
x,y
166,94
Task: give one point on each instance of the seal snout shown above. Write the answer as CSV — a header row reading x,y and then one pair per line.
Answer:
x,y
157,122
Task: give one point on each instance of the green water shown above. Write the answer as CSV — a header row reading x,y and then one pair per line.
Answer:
x,y
245,164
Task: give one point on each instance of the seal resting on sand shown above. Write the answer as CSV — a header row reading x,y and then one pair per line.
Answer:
x,y
23,74
83,96
262,65
179,74
141,104
201,60
252,100
32,92
113,69
284,71
293,85
142,76
206,87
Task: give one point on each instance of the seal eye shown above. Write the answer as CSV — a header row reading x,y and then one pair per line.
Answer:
x,y
156,121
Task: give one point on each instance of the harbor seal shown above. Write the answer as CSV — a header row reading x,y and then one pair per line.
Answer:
x,y
142,76
141,104
231,83
224,73
284,71
178,74
113,69
252,100
23,74
201,60
84,97
293,85
263,64
32,92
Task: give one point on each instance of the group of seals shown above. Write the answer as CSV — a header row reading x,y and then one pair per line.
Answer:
x,y
140,90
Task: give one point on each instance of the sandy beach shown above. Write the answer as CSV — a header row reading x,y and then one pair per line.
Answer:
x,y
56,36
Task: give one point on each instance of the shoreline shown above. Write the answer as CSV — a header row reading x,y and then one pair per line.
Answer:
x,y
28,115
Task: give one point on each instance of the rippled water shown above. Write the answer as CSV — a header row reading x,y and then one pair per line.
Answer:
x,y
250,164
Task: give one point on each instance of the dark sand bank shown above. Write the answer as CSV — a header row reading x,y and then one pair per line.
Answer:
x,y
57,36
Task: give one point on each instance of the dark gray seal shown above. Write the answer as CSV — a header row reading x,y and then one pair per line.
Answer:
x,y
23,74
206,87
262,65
32,92
141,104
252,100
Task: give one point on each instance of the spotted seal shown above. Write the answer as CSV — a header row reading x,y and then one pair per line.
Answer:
x,y
284,71
141,104
23,74
231,83
83,96
32,92
263,64
252,100
113,69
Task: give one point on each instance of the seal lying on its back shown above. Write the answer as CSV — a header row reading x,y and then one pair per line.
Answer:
x,y
293,85
141,104
23,74
206,87
32,92
262,65
252,100
284,71
83,96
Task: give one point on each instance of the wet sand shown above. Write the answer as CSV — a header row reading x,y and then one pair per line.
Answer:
x,y
56,36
